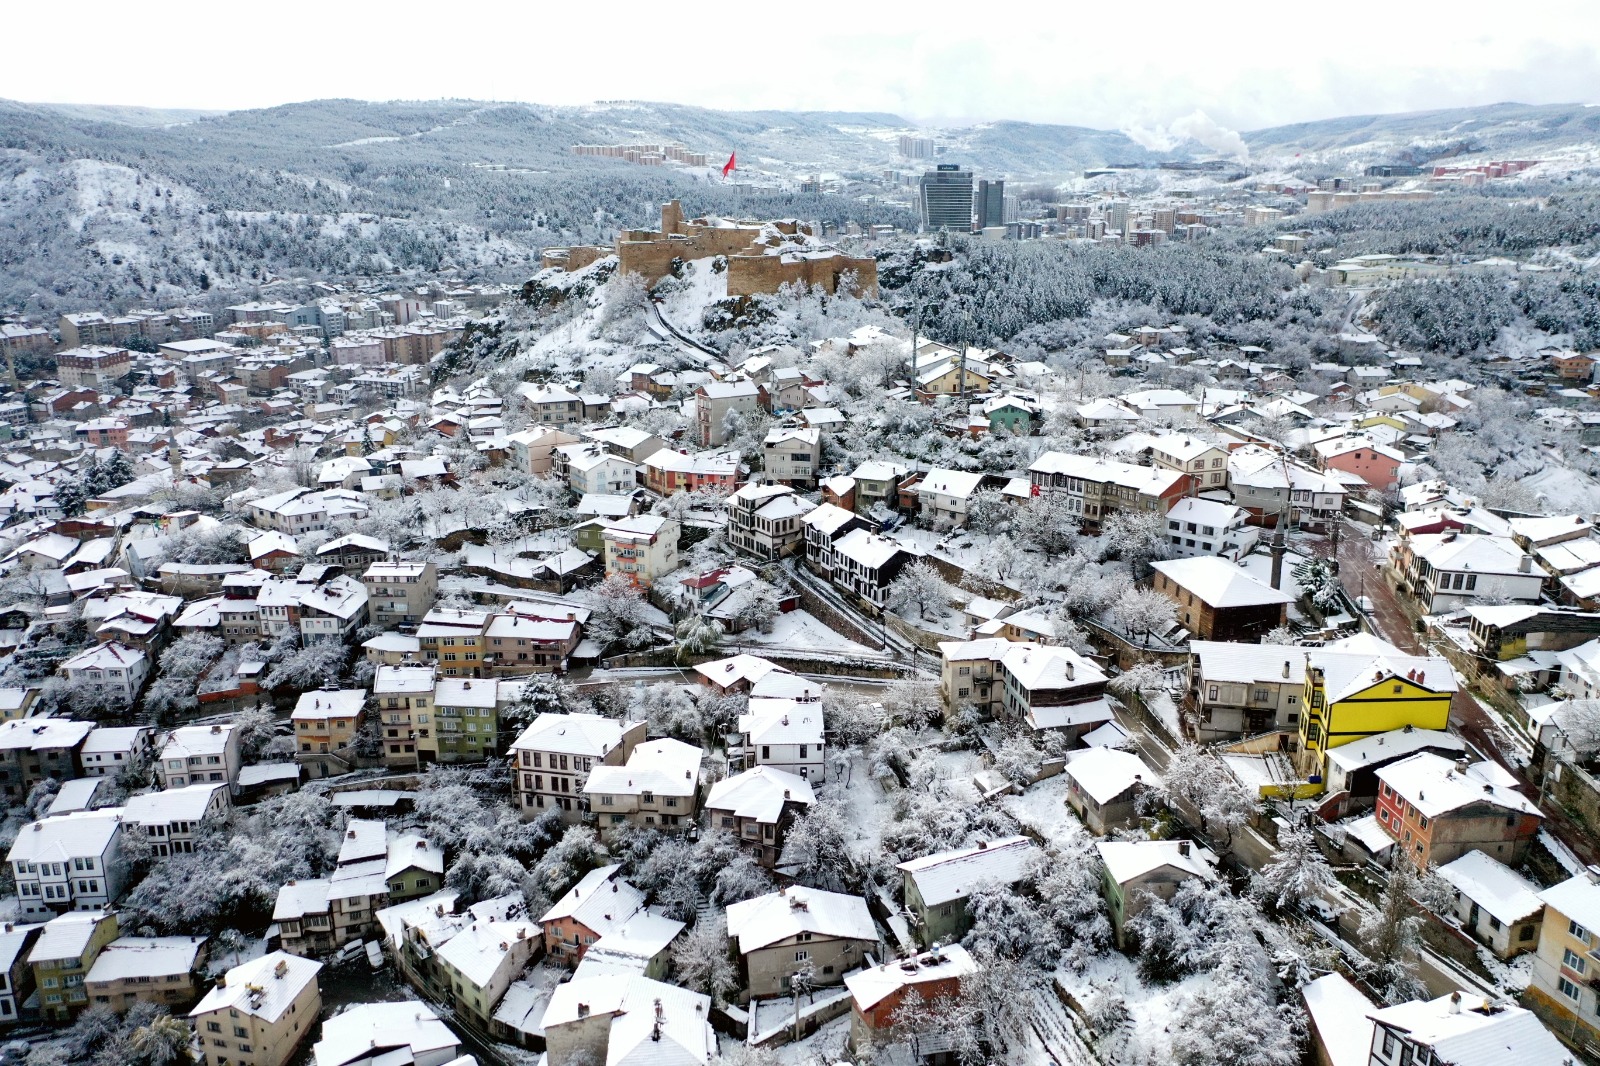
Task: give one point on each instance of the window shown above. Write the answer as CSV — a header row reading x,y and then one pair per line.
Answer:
x,y
1388,1043
1573,961
802,955
1567,988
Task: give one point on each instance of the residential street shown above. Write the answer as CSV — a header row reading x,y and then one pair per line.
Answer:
x,y
1360,570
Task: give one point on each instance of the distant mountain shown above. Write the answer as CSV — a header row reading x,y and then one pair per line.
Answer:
x,y
112,205
1428,134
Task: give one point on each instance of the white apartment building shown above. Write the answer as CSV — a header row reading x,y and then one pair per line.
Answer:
x,y
785,734
555,754
172,818
200,754
68,862
114,669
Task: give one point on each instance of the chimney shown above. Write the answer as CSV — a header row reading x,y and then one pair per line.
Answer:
x,y
1183,847
1461,766
983,845
1525,564
1455,1003
1286,668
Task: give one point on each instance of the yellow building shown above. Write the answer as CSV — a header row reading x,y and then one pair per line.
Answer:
x,y
452,640
260,1012
325,720
1562,990
62,957
1362,686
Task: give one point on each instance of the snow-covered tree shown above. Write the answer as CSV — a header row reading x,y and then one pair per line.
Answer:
x,y
305,668
669,709
697,636
920,585
176,689
1138,538
1391,935
1202,786
1141,612
1296,874
700,958
1319,584
620,614
814,849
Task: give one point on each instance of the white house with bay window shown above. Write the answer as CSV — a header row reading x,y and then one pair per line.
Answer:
x,y
114,669
68,863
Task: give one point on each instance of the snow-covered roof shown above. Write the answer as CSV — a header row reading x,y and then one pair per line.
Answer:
x,y
765,920
81,834
1469,551
958,483
1106,773
187,804
1493,886
1576,898
760,793
66,936
1464,1029
263,987
1219,583
631,947
953,875
868,549
191,741
1395,744
602,901
1358,662
782,721
737,668
828,518
1205,512
410,1029
1339,1013
145,956
1231,663
478,951
1435,785
652,1024
1126,860
872,986
37,734
664,767
1049,667
329,703
573,734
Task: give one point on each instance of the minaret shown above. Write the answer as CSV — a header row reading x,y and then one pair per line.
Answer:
x,y
174,458
1279,547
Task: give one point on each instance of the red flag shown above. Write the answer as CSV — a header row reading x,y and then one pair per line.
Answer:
x,y
726,167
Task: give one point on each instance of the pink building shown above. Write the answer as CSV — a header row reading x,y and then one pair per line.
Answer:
x,y
1376,464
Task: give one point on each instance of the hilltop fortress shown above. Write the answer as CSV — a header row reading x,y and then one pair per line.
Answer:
x,y
762,256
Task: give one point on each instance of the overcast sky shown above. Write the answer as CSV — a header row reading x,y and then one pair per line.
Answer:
x,y
1244,64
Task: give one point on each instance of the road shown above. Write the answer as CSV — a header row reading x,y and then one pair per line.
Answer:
x,y
1361,572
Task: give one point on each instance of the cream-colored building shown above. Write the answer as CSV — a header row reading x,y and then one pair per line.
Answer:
x,y
164,970
260,1012
401,593
1568,959
799,930
657,788
641,548
555,754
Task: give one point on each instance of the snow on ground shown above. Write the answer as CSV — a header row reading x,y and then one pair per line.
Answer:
x,y
801,632
826,1045
865,810
1570,862
1043,809
768,1017
956,546
1163,707
1509,977
1151,1008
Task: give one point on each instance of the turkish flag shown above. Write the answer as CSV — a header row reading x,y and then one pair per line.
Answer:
x,y
726,167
